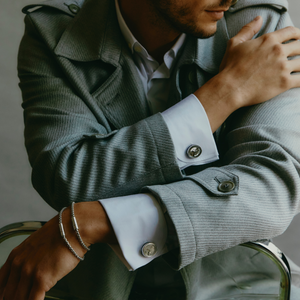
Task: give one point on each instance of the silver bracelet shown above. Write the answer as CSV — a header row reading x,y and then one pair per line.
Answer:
x,y
75,227
63,235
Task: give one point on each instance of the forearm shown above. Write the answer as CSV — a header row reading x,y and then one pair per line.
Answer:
x,y
218,97
261,158
93,223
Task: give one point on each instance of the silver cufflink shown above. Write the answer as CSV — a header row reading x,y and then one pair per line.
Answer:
x,y
149,249
193,151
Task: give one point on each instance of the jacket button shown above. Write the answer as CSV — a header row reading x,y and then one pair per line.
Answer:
x,y
149,250
226,186
193,151
74,8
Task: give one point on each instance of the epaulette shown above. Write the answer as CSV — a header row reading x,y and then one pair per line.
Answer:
x,y
281,5
70,7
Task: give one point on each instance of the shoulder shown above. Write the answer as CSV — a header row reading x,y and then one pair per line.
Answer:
x,y
281,5
68,7
273,13
49,19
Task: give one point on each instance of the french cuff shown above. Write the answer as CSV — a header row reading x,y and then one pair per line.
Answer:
x,y
140,227
191,133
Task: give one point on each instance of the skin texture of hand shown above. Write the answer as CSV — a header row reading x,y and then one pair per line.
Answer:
x,y
36,265
252,71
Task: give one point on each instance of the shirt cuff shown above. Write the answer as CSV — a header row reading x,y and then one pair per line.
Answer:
x,y
136,220
189,126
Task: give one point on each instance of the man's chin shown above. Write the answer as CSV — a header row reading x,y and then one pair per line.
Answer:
x,y
201,33
204,35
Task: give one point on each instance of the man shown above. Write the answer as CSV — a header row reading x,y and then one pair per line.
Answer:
x,y
93,88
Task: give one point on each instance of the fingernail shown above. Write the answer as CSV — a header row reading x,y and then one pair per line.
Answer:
x,y
257,18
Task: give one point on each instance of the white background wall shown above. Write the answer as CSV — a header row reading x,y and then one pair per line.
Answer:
x,y
18,200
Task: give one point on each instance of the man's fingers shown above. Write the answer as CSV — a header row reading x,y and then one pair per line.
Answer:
x,y
37,293
248,31
286,34
12,284
4,274
24,287
292,49
294,66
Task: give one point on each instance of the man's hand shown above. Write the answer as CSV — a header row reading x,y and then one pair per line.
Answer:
x,y
252,71
36,265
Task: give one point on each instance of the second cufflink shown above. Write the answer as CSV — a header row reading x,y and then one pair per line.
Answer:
x,y
149,249
193,151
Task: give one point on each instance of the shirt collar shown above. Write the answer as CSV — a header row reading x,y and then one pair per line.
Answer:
x,y
130,39
135,46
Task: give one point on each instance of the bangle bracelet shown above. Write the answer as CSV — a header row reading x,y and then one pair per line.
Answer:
x,y
63,235
75,227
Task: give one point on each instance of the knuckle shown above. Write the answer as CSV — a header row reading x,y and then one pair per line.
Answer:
x,y
278,49
269,38
231,42
12,254
26,270
292,30
37,277
249,28
16,263
284,66
285,82
42,280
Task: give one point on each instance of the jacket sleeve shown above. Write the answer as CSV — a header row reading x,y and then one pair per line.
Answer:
x,y
254,191
74,154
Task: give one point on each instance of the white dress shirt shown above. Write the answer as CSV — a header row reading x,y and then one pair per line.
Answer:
x,y
138,219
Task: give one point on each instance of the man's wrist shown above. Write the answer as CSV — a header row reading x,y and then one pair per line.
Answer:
x,y
93,223
220,98
70,234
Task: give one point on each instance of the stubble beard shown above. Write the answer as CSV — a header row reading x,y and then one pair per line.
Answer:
x,y
177,19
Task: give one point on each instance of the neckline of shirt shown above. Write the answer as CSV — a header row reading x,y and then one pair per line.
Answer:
x,y
138,48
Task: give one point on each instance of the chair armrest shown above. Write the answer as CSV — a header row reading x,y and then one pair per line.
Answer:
x,y
21,228
272,252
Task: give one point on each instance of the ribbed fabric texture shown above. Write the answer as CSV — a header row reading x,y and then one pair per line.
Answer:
x,y
89,135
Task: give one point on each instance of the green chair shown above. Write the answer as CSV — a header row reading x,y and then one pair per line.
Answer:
x,y
13,234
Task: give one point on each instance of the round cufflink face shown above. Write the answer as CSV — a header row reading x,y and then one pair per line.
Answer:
x,y
74,8
149,249
226,186
193,151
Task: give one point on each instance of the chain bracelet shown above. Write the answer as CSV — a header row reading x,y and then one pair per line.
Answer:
x,y
63,235
75,227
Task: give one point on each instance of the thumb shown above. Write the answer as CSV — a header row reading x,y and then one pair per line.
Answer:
x,y
248,31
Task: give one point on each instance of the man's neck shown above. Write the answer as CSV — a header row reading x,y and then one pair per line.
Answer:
x,y
146,26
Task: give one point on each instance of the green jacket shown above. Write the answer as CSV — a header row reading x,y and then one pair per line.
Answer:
x,y
89,135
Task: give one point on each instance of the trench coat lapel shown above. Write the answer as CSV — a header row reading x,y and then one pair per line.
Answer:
x,y
94,35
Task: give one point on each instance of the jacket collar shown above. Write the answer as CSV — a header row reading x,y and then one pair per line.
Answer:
x,y
93,34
